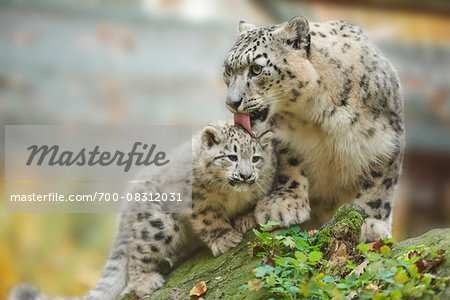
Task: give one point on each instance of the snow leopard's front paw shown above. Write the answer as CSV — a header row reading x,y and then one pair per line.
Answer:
x,y
148,284
286,211
373,229
226,242
244,223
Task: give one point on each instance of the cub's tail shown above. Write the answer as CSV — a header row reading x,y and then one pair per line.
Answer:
x,y
110,285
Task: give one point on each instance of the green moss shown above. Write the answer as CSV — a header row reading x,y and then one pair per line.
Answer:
x,y
350,215
129,296
223,275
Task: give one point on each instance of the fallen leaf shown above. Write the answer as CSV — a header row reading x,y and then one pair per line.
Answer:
x,y
370,245
423,264
254,285
413,253
360,269
351,295
372,287
377,245
198,289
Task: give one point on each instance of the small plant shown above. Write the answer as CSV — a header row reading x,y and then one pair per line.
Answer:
x,y
293,267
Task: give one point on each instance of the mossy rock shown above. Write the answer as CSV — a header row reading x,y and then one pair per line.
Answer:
x,y
223,275
439,239
343,229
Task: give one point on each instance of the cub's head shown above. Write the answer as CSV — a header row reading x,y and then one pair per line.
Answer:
x,y
235,160
268,69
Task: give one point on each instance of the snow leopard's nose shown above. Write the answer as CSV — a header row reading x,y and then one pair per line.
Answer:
x,y
234,98
232,102
245,176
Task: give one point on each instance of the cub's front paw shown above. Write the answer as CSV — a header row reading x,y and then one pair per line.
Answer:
x,y
148,284
286,211
373,229
226,242
244,223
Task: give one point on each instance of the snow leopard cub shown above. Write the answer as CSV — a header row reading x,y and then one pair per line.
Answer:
x,y
231,171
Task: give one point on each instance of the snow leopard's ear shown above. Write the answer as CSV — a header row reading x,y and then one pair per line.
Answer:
x,y
265,138
211,136
244,26
295,33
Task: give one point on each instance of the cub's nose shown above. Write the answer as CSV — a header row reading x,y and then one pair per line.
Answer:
x,y
233,102
245,176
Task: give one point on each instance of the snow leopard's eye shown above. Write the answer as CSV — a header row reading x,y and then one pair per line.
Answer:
x,y
255,159
255,69
228,70
232,157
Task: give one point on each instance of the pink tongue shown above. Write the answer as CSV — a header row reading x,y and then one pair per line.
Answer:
x,y
244,120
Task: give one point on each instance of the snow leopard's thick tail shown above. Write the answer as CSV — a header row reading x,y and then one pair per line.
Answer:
x,y
109,286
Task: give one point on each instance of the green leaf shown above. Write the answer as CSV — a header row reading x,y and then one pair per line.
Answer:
x,y
385,273
265,236
294,263
271,280
295,229
363,247
351,278
337,293
389,241
315,256
379,296
289,242
280,260
396,294
270,224
372,256
426,280
341,286
263,270
328,278
413,259
301,244
413,271
300,256
350,265
320,276
386,251
401,277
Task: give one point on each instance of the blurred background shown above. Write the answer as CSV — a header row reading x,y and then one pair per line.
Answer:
x,y
160,62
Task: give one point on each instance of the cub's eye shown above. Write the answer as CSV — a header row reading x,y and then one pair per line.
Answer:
x,y
256,158
256,69
228,71
232,157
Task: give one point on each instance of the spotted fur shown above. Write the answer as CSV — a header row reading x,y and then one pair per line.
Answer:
x,y
231,170
335,103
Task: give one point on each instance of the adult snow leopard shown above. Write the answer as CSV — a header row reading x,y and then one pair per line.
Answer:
x,y
335,103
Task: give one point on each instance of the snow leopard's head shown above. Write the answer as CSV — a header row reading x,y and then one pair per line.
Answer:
x,y
268,71
233,159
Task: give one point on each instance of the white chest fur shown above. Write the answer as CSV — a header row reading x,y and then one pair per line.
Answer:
x,y
334,160
237,202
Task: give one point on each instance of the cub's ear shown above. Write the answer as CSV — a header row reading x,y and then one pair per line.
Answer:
x,y
243,26
265,138
296,33
211,136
